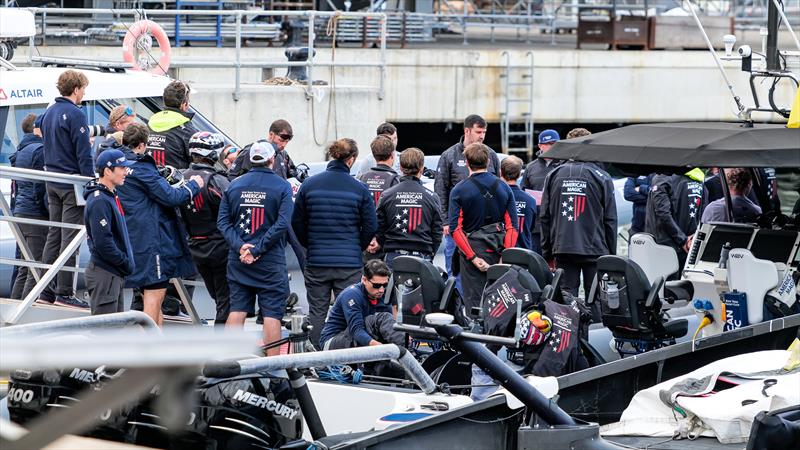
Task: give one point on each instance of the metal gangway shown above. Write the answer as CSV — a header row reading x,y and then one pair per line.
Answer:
x,y
14,311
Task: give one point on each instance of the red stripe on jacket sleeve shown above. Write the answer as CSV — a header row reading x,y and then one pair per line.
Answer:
x,y
461,238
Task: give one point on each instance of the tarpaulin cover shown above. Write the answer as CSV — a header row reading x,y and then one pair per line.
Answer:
x,y
689,144
718,400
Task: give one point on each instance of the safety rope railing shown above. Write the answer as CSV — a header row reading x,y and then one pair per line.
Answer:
x,y
42,280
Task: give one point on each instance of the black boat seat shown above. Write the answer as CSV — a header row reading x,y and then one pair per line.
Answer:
x,y
421,288
530,260
631,306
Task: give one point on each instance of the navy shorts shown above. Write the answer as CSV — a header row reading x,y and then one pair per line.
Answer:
x,y
271,297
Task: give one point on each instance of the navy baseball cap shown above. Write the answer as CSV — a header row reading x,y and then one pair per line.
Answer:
x,y
111,158
548,136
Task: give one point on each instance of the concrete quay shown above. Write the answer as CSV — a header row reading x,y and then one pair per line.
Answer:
x,y
441,85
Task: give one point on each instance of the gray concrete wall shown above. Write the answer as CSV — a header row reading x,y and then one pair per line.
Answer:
x,y
446,84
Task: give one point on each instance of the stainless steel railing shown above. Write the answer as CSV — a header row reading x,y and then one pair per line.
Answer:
x,y
238,15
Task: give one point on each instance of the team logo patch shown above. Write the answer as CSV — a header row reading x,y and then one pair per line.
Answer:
x,y
573,199
251,211
103,222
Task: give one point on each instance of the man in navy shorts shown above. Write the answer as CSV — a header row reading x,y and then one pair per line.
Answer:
x,y
254,217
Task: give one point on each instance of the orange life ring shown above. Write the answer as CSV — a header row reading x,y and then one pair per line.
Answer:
x,y
138,37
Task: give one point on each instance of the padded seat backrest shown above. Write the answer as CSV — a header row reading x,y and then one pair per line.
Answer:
x,y
419,285
755,277
530,260
655,260
633,289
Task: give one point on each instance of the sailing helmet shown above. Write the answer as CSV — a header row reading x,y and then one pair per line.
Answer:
x,y
206,145
534,328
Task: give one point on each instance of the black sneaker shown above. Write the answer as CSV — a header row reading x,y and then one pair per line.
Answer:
x,y
71,301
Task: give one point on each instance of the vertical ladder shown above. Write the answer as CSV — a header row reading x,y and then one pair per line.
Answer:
x,y
516,115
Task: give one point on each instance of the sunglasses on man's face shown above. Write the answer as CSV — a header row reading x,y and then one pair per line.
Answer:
x,y
285,137
379,285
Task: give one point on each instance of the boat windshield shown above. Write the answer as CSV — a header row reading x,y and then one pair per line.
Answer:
x,y
96,111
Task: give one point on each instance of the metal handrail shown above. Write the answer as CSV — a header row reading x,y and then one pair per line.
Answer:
x,y
327,358
237,63
103,321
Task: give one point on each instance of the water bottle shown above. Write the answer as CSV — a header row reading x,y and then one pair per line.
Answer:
x,y
612,292
723,255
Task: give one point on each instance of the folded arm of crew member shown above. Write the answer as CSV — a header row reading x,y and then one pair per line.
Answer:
x,y
103,239
369,223
610,217
300,218
662,206
633,195
355,322
278,229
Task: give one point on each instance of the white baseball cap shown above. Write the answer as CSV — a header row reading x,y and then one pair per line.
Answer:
x,y
261,152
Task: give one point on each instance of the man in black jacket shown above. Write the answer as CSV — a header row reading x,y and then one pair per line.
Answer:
x,y
452,169
206,243
674,209
579,221
171,129
409,216
280,133
381,176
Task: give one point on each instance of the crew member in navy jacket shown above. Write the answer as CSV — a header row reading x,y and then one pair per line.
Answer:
x,y
636,191
510,170
30,201
160,248
484,219
107,235
65,134
254,217
334,219
359,316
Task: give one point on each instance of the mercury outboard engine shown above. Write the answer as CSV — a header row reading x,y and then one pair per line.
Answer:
x,y
34,392
252,411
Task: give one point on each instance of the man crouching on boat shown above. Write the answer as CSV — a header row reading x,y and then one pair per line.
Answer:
x,y
359,317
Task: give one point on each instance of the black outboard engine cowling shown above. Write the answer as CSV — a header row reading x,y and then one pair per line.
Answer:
x,y
35,392
250,411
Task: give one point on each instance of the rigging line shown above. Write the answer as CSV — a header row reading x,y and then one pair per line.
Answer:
x,y
742,112
780,7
